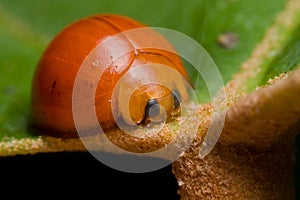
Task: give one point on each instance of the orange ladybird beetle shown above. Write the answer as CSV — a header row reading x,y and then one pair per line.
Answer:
x,y
51,108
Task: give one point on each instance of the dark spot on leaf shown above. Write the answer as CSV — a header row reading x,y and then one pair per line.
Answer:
x,y
9,90
228,40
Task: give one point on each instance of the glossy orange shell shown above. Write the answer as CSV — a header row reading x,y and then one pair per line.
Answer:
x,y
57,69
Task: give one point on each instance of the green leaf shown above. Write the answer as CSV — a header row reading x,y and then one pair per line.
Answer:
x,y
26,27
286,61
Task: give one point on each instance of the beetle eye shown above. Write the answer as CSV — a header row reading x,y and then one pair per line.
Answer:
x,y
152,108
176,100
153,112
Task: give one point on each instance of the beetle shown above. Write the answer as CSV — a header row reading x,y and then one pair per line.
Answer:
x,y
53,81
